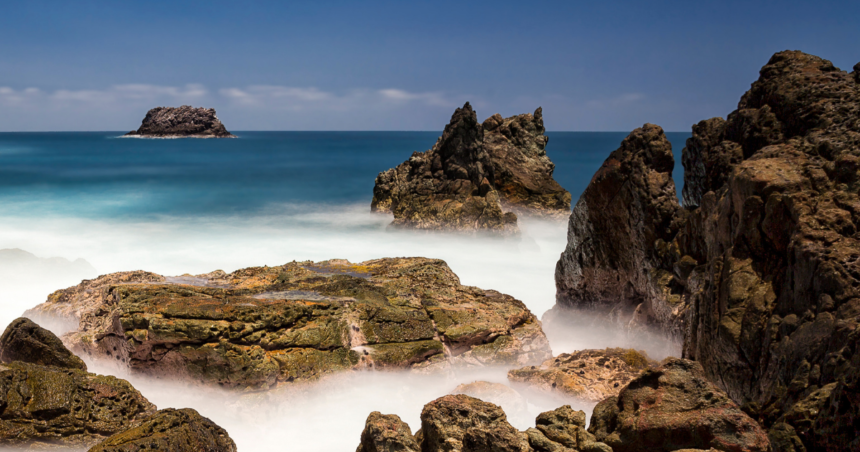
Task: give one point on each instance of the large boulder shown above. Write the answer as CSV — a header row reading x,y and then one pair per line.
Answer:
x,y
262,326
25,341
43,406
618,235
675,407
181,122
171,430
591,375
522,170
460,423
387,433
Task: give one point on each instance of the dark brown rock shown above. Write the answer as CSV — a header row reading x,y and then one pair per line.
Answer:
x,y
675,407
766,265
181,122
459,423
522,170
44,406
263,326
25,341
171,430
617,253
387,433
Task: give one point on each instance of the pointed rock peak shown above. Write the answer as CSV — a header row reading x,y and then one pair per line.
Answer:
x,y
655,147
26,341
539,114
856,72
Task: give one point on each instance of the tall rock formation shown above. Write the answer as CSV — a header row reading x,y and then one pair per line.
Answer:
x,y
472,174
767,257
181,122
522,170
619,234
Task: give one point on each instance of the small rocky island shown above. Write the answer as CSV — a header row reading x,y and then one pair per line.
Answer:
x,y
477,177
181,122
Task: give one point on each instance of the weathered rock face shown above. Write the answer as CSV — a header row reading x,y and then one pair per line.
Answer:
x,y
765,275
44,406
522,170
387,433
463,423
171,430
181,122
460,423
619,234
258,327
587,374
675,407
25,341
472,173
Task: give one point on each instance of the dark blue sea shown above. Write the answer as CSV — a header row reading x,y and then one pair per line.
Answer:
x,y
77,205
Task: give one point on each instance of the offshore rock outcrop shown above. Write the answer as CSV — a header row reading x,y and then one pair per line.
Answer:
x,y
25,341
181,122
591,375
765,274
522,172
675,407
43,406
619,234
472,173
262,326
171,430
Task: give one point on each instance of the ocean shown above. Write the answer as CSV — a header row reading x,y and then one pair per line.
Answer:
x,y
177,206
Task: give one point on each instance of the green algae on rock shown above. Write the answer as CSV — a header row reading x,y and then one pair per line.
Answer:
x,y
171,430
25,341
49,406
263,326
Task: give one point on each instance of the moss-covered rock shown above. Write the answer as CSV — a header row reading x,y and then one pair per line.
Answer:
x,y
262,326
41,405
171,430
25,341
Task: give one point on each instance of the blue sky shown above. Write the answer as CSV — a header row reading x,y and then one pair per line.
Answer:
x,y
400,65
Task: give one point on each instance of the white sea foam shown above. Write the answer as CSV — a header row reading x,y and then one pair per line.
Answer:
x,y
327,416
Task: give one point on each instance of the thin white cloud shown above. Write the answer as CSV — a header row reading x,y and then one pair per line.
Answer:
x,y
400,95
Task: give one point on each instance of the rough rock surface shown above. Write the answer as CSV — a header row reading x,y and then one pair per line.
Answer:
x,y
766,267
462,423
260,326
472,172
48,406
170,430
25,341
591,375
387,433
181,122
618,234
522,170
675,407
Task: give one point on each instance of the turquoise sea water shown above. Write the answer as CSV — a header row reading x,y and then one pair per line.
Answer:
x,y
97,175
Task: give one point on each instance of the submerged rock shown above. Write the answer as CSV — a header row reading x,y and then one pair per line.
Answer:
x,y
44,406
25,341
181,122
387,433
591,375
262,326
171,430
675,407
522,170
471,174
